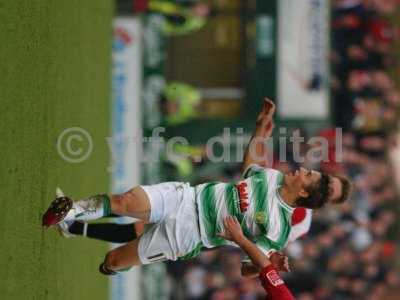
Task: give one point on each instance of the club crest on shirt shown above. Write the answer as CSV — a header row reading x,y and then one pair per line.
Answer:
x,y
260,217
274,278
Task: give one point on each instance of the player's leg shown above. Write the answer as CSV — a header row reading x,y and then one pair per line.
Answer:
x,y
108,232
121,258
134,203
153,246
177,235
151,203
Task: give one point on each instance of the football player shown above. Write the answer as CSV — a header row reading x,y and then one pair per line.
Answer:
x,y
188,219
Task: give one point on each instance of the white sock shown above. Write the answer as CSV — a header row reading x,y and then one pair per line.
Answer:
x,y
89,209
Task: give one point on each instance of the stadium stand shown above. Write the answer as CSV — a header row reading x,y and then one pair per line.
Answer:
x,y
349,252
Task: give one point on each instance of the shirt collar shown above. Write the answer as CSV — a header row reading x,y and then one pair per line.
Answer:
x,y
282,202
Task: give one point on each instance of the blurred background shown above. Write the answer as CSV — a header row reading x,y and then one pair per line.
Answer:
x,y
198,70
331,67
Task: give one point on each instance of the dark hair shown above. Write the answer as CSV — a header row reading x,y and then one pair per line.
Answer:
x,y
318,194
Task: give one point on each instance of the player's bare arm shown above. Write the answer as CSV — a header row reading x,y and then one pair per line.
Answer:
x,y
233,232
266,270
256,150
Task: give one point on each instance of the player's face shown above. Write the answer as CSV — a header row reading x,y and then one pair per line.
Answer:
x,y
302,178
335,189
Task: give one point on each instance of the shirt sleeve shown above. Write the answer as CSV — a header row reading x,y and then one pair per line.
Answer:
x,y
300,225
267,246
252,170
274,284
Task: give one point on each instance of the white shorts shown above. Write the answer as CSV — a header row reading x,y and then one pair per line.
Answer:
x,y
175,231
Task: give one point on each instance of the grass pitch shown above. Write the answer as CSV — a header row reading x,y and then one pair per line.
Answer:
x,y
55,63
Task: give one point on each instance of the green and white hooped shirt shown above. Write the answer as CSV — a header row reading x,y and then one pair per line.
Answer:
x,y
265,218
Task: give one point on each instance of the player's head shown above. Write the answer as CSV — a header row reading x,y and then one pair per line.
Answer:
x,y
340,189
314,189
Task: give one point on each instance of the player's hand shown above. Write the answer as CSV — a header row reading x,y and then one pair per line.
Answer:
x,y
265,123
267,111
280,261
233,231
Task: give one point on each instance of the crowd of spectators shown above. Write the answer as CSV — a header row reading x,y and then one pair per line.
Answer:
x,y
349,252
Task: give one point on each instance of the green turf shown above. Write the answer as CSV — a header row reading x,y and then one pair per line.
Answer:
x,y
55,59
